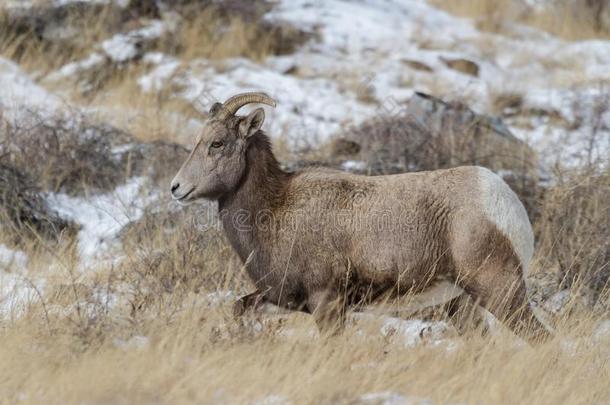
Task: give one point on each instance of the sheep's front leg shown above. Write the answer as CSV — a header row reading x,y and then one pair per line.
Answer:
x,y
328,309
250,301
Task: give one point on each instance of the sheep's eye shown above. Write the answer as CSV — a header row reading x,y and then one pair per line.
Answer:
x,y
216,144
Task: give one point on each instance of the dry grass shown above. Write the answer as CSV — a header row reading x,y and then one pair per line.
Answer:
x,y
154,116
212,35
195,353
573,234
33,39
573,19
185,362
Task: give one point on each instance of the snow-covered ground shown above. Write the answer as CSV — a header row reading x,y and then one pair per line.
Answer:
x,y
20,95
26,4
102,217
17,290
363,65
371,55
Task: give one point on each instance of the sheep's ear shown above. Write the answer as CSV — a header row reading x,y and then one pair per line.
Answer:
x,y
251,123
215,109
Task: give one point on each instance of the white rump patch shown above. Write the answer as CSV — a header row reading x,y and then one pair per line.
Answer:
x,y
502,207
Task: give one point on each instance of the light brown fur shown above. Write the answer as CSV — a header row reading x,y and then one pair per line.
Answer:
x,y
321,241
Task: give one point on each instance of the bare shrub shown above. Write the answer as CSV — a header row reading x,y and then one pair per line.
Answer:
x,y
573,234
66,154
73,154
23,210
157,160
172,252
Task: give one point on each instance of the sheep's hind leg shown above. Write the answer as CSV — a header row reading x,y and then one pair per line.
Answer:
x,y
487,267
506,298
465,313
328,310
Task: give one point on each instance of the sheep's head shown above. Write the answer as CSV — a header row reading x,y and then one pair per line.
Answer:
x,y
218,161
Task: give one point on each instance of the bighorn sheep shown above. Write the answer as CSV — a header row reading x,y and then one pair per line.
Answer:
x,y
321,240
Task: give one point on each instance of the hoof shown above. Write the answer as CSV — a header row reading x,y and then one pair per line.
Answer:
x,y
239,308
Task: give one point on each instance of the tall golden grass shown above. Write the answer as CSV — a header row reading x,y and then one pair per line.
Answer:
x,y
572,19
188,352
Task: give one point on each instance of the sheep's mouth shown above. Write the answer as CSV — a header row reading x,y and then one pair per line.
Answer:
x,y
185,196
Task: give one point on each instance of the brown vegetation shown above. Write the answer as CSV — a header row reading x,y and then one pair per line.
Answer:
x,y
572,19
24,214
574,239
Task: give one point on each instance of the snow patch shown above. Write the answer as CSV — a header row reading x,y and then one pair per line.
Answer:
x,y
17,292
58,3
273,400
20,95
414,331
134,343
73,68
123,47
102,216
12,258
409,332
353,165
602,332
308,110
391,398
218,298
154,80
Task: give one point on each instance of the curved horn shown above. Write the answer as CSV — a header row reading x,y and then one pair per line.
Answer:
x,y
236,102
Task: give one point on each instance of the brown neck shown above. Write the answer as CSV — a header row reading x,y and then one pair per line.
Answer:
x,y
259,193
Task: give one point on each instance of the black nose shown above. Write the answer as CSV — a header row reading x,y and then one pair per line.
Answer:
x,y
175,187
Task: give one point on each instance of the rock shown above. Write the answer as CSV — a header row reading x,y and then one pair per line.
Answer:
x,y
462,65
413,64
508,104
